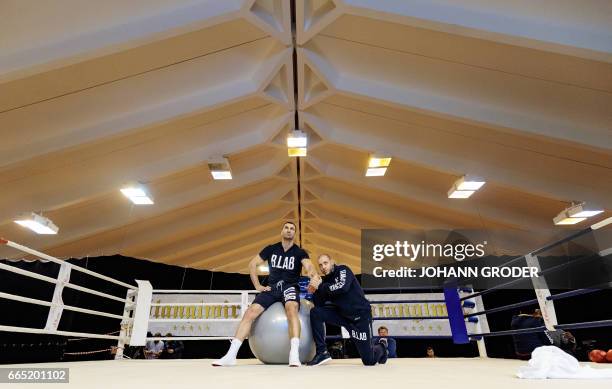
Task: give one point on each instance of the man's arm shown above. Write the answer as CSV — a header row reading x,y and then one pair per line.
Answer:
x,y
318,298
256,261
346,278
310,269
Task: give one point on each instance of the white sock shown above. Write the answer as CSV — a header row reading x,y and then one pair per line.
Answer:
x,y
294,352
233,350
295,346
229,359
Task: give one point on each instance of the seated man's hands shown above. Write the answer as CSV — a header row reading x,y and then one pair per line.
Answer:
x,y
314,284
262,288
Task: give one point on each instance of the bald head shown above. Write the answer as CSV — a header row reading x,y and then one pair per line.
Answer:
x,y
326,264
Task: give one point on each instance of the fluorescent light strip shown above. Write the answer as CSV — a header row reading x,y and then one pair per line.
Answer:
x,y
569,221
582,210
379,161
563,219
297,138
39,224
297,142
221,174
586,214
460,194
36,227
137,194
465,187
575,214
470,185
297,151
220,168
376,171
133,192
141,200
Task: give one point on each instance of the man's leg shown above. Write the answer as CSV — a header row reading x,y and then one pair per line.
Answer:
x,y
318,317
292,309
291,299
370,352
244,328
293,319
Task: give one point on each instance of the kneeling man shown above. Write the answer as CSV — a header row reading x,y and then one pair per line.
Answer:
x,y
339,300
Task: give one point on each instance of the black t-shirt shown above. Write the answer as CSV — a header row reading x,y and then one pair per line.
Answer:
x,y
284,265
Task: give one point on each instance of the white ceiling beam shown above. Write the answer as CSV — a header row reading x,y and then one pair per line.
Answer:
x,y
145,161
555,178
571,28
54,43
417,193
506,102
138,102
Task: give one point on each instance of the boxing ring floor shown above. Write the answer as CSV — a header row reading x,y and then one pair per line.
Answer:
x,y
346,373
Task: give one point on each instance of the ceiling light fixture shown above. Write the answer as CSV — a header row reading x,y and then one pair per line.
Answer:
x,y
38,223
138,194
220,169
377,165
576,213
297,143
465,187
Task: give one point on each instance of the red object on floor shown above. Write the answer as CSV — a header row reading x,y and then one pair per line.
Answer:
x,y
598,356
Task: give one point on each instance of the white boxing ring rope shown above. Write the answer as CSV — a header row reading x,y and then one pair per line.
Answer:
x,y
137,304
56,306
60,262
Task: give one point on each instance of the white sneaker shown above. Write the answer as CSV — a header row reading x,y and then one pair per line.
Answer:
x,y
294,361
224,362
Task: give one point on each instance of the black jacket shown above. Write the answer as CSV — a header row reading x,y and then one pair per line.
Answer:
x,y
341,288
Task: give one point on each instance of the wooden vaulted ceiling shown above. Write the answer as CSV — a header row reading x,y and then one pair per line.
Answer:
x,y
96,94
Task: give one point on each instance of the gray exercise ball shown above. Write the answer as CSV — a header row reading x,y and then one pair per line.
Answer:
x,y
269,338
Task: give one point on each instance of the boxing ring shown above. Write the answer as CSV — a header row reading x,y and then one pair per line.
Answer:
x,y
141,312
345,373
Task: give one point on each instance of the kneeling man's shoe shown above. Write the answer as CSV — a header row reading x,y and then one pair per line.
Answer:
x,y
320,359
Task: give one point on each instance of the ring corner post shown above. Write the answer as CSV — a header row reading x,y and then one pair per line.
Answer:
x,y
455,315
141,314
547,305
